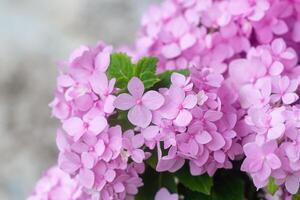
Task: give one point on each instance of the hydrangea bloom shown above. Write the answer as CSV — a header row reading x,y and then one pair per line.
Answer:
x,y
140,105
55,184
240,100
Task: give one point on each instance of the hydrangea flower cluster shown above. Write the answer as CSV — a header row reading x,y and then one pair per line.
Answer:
x,y
55,184
90,149
224,93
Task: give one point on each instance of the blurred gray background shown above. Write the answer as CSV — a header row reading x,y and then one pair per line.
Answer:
x,y
34,35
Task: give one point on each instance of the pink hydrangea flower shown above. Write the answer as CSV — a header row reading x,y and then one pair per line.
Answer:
x,y
71,162
56,184
104,88
178,105
132,143
284,89
76,127
181,81
140,106
260,161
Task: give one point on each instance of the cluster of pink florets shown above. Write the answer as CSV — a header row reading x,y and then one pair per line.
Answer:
x,y
91,150
248,49
240,99
55,184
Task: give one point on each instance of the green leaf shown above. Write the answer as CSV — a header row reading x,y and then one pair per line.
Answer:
x,y
165,77
272,187
168,181
149,79
120,118
228,185
121,68
296,196
191,195
146,64
201,183
152,161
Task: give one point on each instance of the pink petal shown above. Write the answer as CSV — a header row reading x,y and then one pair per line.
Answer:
x,y
165,164
178,79
119,187
184,118
190,101
252,150
110,175
276,132
177,165
87,160
255,165
150,132
219,156
102,61
176,94
136,87
124,102
77,53
138,155
97,125
280,28
269,147
109,104
296,31
289,98
187,41
61,141
276,68
163,194
137,141
99,82
278,46
74,126
84,102
273,161
217,142
169,110
212,115
153,100
203,138
292,184
69,162
171,50
140,116
100,147
86,178
64,81
288,54
264,173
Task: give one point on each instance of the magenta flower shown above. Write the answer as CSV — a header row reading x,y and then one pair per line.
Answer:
x,y
181,81
171,162
76,127
284,89
139,105
260,161
132,143
178,105
164,194
71,162
104,87
56,184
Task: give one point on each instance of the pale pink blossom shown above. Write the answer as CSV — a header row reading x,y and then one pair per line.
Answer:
x,y
140,106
